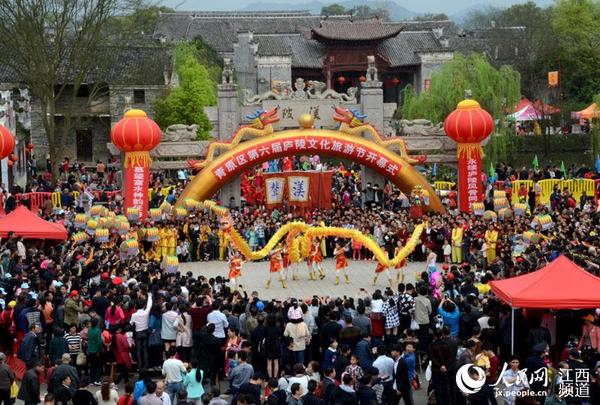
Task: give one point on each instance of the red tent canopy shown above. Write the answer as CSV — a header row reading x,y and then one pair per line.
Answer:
x,y
537,104
560,285
25,223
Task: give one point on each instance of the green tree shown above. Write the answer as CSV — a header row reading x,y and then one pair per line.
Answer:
x,y
333,9
138,24
576,25
495,89
52,46
185,103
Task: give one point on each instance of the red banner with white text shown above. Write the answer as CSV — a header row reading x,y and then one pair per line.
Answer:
x,y
470,189
136,189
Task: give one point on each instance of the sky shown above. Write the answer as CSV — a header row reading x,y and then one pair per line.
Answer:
x,y
421,6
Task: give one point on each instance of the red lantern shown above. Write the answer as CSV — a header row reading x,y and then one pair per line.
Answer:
x,y
468,125
13,157
30,146
341,80
7,142
136,135
362,79
395,81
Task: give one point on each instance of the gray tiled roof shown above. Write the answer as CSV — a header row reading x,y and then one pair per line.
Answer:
x,y
121,65
273,45
305,52
402,49
219,30
361,30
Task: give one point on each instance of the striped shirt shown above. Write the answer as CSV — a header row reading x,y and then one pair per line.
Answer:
x,y
73,343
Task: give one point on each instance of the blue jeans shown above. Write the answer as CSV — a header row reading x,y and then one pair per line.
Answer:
x,y
173,389
298,356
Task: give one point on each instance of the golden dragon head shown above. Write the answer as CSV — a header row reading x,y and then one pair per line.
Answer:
x,y
351,117
262,118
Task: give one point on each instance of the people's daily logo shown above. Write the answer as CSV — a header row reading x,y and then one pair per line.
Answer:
x,y
465,381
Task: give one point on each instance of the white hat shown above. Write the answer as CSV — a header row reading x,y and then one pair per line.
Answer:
x,y
24,285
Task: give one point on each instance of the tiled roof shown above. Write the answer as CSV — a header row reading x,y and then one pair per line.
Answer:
x,y
402,49
219,30
361,30
273,45
121,65
305,52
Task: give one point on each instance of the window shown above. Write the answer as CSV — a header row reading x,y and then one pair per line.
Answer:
x,y
139,96
84,145
83,91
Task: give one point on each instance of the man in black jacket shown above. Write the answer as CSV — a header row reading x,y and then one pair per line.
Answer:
x,y
401,384
30,387
61,371
329,384
344,394
7,377
441,363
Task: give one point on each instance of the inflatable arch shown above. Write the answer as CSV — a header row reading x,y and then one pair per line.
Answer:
x,y
238,157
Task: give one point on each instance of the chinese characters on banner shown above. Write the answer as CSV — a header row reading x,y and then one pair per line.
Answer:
x,y
136,188
470,189
274,190
305,145
298,187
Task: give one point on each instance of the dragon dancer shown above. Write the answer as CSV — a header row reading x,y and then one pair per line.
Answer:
x,y
316,260
235,268
341,262
382,269
275,267
400,266
285,254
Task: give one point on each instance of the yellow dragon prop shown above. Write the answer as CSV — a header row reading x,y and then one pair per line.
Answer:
x,y
309,232
261,125
351,122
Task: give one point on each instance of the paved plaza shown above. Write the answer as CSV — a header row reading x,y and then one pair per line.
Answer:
x,y
255,275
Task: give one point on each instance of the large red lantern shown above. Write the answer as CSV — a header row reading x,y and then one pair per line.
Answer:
x,y
341,80
136,135
468,125
7,142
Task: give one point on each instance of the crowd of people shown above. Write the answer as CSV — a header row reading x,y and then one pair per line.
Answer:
x,y
78,315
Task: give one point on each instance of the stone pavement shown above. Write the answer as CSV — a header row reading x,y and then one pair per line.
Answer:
x,y
254,277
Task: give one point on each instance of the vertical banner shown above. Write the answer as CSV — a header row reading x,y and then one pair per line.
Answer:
x,y
298,189
137,178
470,189
553,79
274,190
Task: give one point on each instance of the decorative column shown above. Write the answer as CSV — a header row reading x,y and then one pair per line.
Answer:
x,y
229,119
136,135
468,125
371,102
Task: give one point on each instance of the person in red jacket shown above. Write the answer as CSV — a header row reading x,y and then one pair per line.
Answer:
x,y
122,352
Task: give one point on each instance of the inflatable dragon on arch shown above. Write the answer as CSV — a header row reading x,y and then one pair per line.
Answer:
x,y
260,125
352,122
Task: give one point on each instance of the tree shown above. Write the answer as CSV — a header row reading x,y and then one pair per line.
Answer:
x,y
139,23
364,11
185,103
576,25
495,89
333,9
51,45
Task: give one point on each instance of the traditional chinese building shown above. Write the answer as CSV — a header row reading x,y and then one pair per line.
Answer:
x,y
270,49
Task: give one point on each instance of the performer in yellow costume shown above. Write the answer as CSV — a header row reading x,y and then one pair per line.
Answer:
x,y
164,242
457,240
172,241
223,243
491,239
